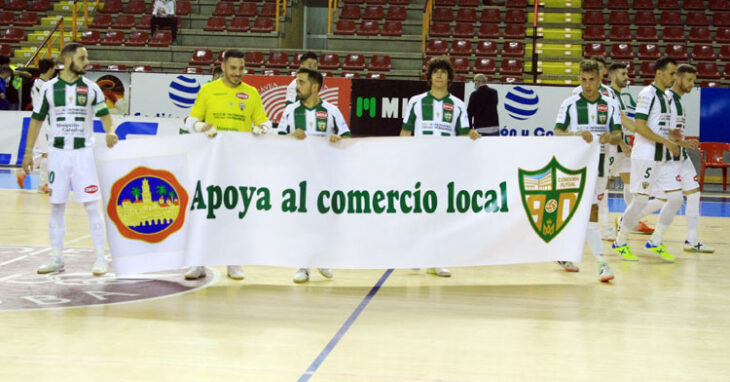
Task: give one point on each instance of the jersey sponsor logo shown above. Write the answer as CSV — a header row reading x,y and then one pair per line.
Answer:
x,y
321,115
602,108
604,92
550,196
600,196
242,96
521,103
679,178
448,106
91,189
82,90
147,205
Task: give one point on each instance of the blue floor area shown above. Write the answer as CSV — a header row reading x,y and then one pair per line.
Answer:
x,y
714,206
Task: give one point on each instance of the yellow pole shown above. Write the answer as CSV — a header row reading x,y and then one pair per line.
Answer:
x,y
277,16
61,43
329,16
73,27
86,14
285,9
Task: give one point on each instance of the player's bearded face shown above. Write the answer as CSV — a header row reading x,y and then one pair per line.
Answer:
x,y
621,78
79,62
687,82
667,75
304,87
233,70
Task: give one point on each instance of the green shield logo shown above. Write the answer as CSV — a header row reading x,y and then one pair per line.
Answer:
x,y
550,196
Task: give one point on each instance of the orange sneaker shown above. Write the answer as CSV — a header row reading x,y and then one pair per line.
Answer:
x,y
643,229
20,177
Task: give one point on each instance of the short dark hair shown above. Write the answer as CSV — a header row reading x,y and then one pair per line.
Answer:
x,y
308,56
46,64
663,62
313,75
5,69
233,53
686,68
70,49
441,62
601,60
587,66
617,66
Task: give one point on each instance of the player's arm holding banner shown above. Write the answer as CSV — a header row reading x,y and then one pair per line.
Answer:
x,y
195,122
261,122
562,125
341,130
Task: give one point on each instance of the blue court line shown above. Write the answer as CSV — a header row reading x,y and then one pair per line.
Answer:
x,y
345,327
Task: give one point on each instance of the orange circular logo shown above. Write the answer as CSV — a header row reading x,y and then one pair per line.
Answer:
x,y
147,205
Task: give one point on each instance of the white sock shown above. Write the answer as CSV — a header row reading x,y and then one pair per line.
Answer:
x,y
57,226
693,216
666,216
96,226
593,237
603,213
631,217
652,206
628,196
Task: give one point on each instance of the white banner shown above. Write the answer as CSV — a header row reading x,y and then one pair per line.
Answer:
x,y
532,110
360,203
165,95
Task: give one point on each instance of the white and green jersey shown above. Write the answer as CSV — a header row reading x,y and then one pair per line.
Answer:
x,y
677,117
578,114
603,89
291,92
70,109
324,119
652,107
616,96
428,115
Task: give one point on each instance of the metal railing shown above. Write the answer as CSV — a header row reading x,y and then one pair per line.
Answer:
x,y
48,44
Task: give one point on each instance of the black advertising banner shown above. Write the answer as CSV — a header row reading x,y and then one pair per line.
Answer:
x,y
378,106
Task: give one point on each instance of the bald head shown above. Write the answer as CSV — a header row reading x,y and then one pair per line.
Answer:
x,y
480,79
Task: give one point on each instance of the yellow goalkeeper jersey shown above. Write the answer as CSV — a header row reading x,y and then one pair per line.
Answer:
x,y
229,109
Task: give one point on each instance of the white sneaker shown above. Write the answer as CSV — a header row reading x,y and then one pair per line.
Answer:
x,y
55,264
235,272
440,272
568,266
301,276
195,273
608,234
326,272
99,268
605,274
697,247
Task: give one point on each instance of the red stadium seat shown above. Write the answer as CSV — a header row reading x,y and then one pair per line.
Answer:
x,y
90,37
201,57
350,75
247,9
513,49
268,10
721,19
619,18
620,33
224,8
593,4
137,38
113,38
271,72
460,64
392,28
726,72
703,53
182,9
694,5
440,29
707,70
16,5
511,67
443,14
376,76
700,34
368,28
101,20
277,60
135,7
668,4
124,22
647,69
379,62
622,52
594,33
240,24
468,3
111,6
515,16
710,84
354,2
461,48
373,12
649,52
594,49
486,48
215,24
193,70
695,18
13,35
254,59
464,30
39,5
7,18
645,18
399,2
396,12
161,39
466,15
491,15
6,50
116,68
511,80
27,19
437,47
490,31
144,22
345,27
514,32
485,65
445,3
718,5
724,53
350,12
643,4
380,2
618,4
516,3
673,34
354,62
671,18
329,61
676,51
645,33
263,25
142,68
722,35
594,18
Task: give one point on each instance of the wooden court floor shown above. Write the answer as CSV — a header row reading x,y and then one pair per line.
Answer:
x,y
656,322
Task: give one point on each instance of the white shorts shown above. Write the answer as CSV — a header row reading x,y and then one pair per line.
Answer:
x,y
72,168
648,176
618,162
687,178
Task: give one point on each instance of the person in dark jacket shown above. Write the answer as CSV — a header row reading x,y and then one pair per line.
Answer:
x,y
482,109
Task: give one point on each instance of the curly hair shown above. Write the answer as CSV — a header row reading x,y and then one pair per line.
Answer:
x,y
440,63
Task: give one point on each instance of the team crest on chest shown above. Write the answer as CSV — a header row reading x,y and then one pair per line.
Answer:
x,y
81,95
242,106
448,112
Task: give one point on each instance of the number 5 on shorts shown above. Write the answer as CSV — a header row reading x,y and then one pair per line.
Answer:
x,y
647,174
